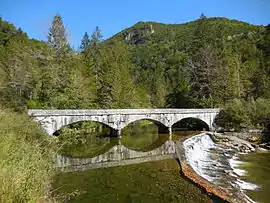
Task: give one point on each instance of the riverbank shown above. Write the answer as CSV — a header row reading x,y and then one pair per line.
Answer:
x,y
26,159
259,139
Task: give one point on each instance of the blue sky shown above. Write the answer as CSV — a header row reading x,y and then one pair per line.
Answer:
x,y
112,16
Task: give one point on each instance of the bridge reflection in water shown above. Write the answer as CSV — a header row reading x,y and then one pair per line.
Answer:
x,y
117,155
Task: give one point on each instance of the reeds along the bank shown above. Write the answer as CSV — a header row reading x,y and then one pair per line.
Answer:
x,y
26,159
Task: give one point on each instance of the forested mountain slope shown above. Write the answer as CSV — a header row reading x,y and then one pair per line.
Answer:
x,y
156,33
210,62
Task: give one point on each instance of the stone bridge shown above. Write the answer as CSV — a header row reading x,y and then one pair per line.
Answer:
x,y
117,119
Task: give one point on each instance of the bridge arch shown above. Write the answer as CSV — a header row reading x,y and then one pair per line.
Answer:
x,y
78,122
161,126
55,123
193,122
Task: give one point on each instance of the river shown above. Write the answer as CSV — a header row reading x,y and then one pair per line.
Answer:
x,y
256,168
158,181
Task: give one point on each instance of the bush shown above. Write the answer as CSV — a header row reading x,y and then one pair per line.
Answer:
x,y
26,159
239,114
262,115
233,116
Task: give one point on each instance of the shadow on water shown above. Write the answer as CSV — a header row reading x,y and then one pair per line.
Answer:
x,y
190,124
180,133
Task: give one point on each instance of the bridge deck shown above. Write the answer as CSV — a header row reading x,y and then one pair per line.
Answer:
x,y
79,112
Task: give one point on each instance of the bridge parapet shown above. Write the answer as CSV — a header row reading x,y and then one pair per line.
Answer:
x,y
79,112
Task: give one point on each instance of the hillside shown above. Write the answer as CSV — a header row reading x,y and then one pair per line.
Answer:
x,y
207,63
204,63
153,32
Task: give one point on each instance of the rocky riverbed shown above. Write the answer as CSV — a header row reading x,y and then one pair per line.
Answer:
x,y
233,142
243,142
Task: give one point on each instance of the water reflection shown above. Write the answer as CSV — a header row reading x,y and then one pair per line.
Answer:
x,y
133,183
138,144
117,155
90,139
143,137
88,145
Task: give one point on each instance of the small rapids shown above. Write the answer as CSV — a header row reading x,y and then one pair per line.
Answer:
x,y
216,164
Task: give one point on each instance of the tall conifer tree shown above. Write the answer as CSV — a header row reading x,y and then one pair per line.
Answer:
x,y
96,37
85,42
57,37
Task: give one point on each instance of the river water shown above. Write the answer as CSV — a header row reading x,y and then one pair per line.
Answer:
x,y
256,169
245,175
160,181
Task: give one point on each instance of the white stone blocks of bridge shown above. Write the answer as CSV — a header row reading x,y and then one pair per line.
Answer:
x,y
117,119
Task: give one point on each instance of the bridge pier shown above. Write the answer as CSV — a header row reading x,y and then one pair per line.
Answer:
x,y
118,134
115,133
163,129
170,130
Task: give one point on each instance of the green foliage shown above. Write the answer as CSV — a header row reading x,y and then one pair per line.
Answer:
x,y
201,64
239,114
57,37
234,116
215,69
26,159
96,37
84,139
85,42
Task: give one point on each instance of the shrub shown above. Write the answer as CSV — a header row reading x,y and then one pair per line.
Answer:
x,y
262,116
238,114
26,159
233,116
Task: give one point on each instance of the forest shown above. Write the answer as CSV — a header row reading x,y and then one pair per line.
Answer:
x,y
206,63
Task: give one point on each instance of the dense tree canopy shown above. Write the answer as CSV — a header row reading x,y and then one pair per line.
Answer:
x,y
206,63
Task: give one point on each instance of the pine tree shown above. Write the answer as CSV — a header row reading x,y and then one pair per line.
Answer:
x,y
96,37
57,37
122,89
200,34
85,42
95,54
204,70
